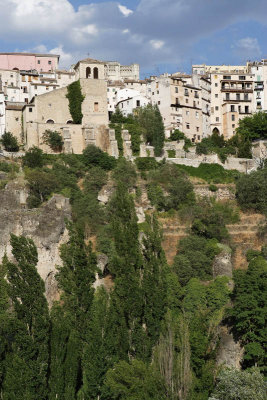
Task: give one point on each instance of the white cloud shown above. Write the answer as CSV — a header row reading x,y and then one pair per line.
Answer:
x,y
157,44
125,31
248,47
124,10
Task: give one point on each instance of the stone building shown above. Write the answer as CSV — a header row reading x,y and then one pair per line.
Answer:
x,y
232,97
114,71
180,102
51,111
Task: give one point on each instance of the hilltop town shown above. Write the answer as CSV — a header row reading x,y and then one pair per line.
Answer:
x,y
213,99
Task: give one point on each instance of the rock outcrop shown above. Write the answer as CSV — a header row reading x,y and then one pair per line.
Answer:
x,y
45,225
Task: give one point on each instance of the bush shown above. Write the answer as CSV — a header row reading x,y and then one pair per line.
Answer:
x,y
194,259
41,185
213,188
94,180
125,172
54,140
171,153
9,142
8,167
34,158
146,163
94,156
251,191
177,135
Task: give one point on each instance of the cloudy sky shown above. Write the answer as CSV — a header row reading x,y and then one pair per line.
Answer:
x,y
160,35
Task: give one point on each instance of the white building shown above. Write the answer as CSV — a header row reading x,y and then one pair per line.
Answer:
x,y
128,105
2,113
114,71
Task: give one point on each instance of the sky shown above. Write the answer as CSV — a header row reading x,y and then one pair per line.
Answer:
x,y
160,35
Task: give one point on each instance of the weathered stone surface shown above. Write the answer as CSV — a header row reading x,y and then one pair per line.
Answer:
x,y
45,225
222,264
102,262
140,214
224,192
230,353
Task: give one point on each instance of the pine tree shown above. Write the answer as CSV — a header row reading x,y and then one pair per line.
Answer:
x,y
27,362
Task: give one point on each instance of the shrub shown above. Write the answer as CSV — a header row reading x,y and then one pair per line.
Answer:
x,y
34,158
171,153
146,163
8,167
213,188
177,135
9,142
41,185
194,258
212,173
251,191
94,156
125,172
54,140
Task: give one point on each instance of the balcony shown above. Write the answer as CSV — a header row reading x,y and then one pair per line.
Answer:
x,y
259,87
237,90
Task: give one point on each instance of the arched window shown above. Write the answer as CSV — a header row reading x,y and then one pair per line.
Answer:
x,y
216,131
50,121
95,73
88,72
69,122
15,69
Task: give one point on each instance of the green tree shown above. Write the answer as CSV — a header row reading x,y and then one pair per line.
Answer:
x,y
9,142
71,317
251,191
94,360
247,317
41,184
253,127
94,156
34,158
27,364
54,140
233,384
135,381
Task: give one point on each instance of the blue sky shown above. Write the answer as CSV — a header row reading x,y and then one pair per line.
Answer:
x,y
160,35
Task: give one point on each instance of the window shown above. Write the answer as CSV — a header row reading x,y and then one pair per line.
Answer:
x,y
96,109
157,92
138,103
245,96
232,108
246,110
216,96
186,100
197,114
50,121
38,62
187,126
49,62
197,128
227,96
35,87
238,96
95,73
228,77
88,72
233,117
30,109
158,102
176,90
187,112
186,93
217,119
216,84
242,78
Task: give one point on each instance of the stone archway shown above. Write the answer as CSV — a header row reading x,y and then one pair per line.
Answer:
x,y
88,72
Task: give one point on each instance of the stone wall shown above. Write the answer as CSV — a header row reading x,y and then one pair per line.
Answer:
x,y
224,192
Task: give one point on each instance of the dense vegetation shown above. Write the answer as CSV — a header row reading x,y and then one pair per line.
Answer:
x,y
75,98
9,142
54,140
152,333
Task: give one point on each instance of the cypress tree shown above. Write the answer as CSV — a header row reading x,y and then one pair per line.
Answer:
x,y
153,283
70,318
94,362
27,363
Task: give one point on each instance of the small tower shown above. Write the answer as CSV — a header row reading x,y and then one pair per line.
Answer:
x,y
90,69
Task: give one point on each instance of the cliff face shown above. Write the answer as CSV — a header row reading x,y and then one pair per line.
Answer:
x,y
45,225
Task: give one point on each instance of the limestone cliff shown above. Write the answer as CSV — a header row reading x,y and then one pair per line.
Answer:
x,y
45,225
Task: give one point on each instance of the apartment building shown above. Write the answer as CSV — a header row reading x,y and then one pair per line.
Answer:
x,y
259,70
232,96
180,103
29,61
